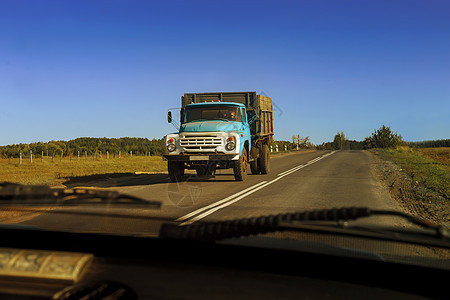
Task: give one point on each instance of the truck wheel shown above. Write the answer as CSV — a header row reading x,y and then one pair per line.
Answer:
x,y
176,170
240,167
264,161
254,167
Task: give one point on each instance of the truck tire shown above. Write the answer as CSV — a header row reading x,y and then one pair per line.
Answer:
x,y
176,170
264,160
240,167
254,166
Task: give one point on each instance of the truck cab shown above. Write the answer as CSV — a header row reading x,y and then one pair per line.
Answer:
x,y
212,135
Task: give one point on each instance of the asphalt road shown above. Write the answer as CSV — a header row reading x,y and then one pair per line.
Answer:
x,y
297,181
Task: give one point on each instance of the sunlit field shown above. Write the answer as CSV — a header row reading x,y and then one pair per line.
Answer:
x,y
441,154
56,171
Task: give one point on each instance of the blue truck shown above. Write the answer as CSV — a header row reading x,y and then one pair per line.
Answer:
x,y
220,130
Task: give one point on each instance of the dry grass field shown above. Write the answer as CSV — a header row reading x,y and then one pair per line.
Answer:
x,y
57,172
438,154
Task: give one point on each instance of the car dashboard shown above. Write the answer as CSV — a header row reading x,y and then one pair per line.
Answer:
x,y
127,267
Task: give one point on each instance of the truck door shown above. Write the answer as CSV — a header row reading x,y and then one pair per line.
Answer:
x,y
244,115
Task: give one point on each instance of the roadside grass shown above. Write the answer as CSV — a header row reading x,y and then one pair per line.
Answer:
x,y
56,172
428,166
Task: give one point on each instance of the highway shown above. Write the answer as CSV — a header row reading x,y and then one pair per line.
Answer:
x,y
297,181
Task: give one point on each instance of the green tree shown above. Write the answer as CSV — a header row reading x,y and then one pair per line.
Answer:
x,y
384,137
340,142
303,143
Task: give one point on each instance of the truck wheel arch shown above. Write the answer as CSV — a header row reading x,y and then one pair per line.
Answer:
x,y
246,147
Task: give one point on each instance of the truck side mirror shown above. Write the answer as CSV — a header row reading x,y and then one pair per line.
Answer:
x,y
169,117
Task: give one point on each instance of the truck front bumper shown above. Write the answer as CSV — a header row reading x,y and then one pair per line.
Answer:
x,y
197,157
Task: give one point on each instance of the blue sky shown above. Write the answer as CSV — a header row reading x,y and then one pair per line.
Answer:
x,y
108,68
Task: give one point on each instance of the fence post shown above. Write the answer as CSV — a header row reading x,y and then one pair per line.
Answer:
x,y
31,156
61,155
42,156
20,158
78,155
119,154
85,154
107,154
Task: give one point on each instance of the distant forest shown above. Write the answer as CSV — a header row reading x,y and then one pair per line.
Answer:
x,y
144,146
91,146
383,137
430,144
360,145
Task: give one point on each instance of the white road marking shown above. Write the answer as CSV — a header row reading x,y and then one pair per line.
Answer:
x,y
207,210
218,202
227,203
293,169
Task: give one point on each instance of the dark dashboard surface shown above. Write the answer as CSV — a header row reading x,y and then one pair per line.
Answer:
x,y
146,268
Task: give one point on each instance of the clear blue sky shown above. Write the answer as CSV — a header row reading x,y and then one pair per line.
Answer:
x,y
109,68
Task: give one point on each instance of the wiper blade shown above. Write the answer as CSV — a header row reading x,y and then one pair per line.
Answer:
x,y
213,231
12,194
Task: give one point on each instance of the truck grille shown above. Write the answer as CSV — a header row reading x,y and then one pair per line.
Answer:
x,y
200,142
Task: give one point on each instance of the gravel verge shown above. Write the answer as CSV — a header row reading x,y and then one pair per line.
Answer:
x,y
413,198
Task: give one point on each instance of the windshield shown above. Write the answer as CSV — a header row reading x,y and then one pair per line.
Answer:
x,y
346,105
230,113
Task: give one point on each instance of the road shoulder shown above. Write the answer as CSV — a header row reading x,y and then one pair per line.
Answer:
x,y
413,198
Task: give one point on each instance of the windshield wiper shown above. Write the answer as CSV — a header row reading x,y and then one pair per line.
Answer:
x,y
316,220
12,194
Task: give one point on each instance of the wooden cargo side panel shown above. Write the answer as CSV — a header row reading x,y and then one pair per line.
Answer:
x,y
246,98
265,116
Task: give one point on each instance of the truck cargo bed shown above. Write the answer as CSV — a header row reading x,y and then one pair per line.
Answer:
x,y
255,104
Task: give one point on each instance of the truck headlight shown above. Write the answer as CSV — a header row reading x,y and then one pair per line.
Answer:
x,y
230,144
171,145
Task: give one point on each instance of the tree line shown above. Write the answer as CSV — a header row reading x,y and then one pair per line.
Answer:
x,y
91,146
430,144
383,137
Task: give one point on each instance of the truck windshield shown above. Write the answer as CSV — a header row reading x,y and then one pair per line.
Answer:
x,y
230,113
